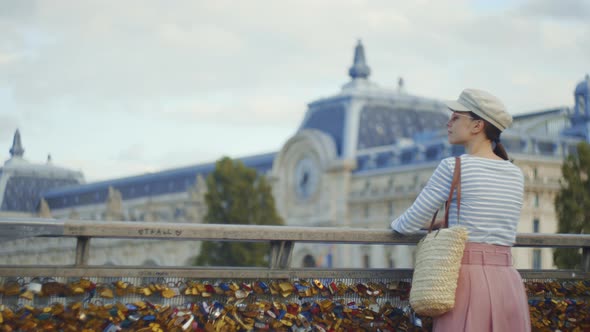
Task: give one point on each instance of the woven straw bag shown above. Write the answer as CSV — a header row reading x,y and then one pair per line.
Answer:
x,y
438,260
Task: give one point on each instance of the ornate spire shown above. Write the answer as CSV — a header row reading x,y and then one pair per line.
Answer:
x,y
400,85
17,148
359,68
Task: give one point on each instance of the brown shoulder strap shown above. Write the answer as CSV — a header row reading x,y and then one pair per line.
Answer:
x,y
455,184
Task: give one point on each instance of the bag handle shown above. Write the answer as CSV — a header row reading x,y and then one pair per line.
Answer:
x,y
455,184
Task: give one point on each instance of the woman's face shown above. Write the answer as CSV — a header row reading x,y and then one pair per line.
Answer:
x,y
459,127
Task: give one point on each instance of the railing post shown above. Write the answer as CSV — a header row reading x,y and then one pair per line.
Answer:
x,y
280,254
82,250
585,259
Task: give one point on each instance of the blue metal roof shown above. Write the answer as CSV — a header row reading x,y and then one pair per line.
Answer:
x,y
384,125
328,118
527,116
435,150
152,184
22,193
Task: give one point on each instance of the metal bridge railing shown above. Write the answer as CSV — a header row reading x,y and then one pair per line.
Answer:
x,y
279,297
281,238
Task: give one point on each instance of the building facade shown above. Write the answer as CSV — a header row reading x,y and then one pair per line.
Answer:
x,y
359,159
22,183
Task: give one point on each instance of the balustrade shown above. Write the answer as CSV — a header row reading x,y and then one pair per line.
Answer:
x,y
278,297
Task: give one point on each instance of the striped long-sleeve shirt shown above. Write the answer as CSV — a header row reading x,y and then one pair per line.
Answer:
x,y
491,200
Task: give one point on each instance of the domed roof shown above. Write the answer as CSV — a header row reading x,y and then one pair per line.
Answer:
x,y
23,182
583,87
364,115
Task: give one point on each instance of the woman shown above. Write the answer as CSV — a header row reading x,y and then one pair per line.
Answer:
x,y
490,293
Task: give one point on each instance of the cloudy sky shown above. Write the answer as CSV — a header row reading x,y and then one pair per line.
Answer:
x,y
116,88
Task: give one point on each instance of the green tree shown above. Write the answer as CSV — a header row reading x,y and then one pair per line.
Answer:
x,y
572,204
236,194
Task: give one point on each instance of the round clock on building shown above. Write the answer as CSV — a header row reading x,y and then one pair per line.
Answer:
x,y
307,176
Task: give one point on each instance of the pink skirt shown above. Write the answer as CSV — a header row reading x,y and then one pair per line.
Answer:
x,y
490,293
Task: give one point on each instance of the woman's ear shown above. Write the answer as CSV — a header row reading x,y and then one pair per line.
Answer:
x,y
478,127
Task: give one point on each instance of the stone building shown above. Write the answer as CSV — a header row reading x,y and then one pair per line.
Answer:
x,y
359,159
22,182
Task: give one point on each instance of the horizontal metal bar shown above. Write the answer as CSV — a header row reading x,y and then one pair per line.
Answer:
x,y
18,228
553,274
11,228
552,240
224,232
243,273
198,272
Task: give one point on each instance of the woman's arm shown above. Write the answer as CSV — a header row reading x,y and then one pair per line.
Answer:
x,y
434,194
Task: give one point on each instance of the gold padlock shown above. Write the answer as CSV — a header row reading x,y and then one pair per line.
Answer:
x,y
27,295
78,290
9,314
57,309
168,293
200,288
120,306
74,306
85,283
106,293
12,289
120,291
274,288
122,284
286,287
209,327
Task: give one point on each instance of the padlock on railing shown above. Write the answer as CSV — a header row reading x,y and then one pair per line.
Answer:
x,y
13,287
51,287
105,291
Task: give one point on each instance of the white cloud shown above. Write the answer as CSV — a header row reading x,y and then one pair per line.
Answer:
x,y
147,85
245,110
8,58
133,152
8,125
98,170
563,9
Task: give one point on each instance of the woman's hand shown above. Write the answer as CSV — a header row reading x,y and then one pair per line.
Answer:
x,y
437,224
